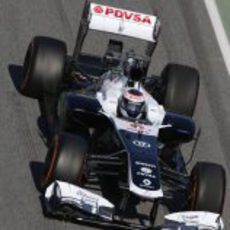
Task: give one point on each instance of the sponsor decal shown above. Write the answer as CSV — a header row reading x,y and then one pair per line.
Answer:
x,y
86,196
111,101
145,164
146,175
146,129
146,170
141,144
123,14
190,217
147,182
98,9
138,127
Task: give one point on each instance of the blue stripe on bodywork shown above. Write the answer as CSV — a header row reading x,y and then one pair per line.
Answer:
x,y
142,158
78,101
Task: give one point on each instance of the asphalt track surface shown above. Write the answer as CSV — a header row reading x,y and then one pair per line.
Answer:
x,y
187,38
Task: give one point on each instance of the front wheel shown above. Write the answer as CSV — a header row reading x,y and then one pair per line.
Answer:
x,y
65,160
181,87
43,67
208,186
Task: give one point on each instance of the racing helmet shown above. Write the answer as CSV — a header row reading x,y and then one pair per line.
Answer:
x,y
132,104
133,69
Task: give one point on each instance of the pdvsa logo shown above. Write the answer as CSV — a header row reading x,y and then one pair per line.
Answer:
x,y
98,9
123,14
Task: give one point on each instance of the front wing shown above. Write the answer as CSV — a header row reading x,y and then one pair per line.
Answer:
x,y
74,203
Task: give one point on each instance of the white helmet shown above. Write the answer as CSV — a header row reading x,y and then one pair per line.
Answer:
x,y
132,104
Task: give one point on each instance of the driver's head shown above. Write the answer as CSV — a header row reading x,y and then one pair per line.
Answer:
x,y
132,69
132,104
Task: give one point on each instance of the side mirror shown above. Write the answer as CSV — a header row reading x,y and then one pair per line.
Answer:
x,y
180,129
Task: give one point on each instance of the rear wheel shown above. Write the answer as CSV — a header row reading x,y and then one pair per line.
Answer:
x,y
208,185
181,84
43,67
65,160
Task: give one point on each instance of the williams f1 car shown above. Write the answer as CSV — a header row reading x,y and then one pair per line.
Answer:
x,y
116,130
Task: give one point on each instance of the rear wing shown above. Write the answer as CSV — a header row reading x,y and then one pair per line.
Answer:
x,y
117,21
123,22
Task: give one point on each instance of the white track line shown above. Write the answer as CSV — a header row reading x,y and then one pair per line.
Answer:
x,y
219,31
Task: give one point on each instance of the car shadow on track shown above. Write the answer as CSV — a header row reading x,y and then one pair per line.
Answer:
x,y
36,169
16,74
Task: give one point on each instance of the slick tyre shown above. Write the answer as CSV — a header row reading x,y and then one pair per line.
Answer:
x,y
65,160
208,186
43,67
181,87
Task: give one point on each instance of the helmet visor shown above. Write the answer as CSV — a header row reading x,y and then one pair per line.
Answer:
x,y
133,109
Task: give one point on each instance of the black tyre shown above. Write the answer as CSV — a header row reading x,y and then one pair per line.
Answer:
x,y
181,85
43,67
208,186
69,122
65,160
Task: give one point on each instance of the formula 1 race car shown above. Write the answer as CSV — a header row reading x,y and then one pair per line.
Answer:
x,y
115,134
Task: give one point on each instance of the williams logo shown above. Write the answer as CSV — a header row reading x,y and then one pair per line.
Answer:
x,y
141,144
